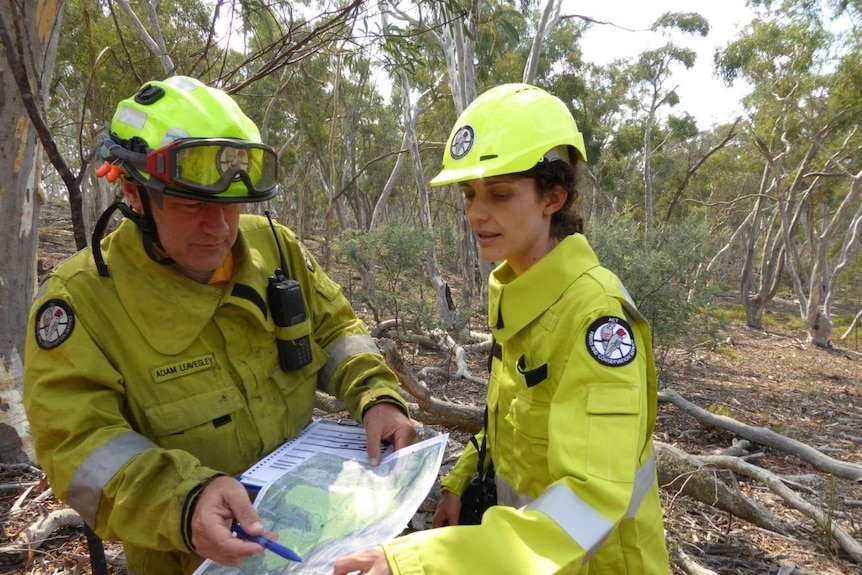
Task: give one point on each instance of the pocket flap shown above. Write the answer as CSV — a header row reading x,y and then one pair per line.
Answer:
x,y
192,411
613,400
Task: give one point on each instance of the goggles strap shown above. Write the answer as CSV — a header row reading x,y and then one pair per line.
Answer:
x,y
99,233
145,223
149,230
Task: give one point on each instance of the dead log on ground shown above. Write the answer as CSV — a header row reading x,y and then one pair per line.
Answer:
x,y
429,409
685,562
681,472
766,437
39,532
823,519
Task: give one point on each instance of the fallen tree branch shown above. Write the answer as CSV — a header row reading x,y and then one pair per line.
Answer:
x,y
463,372
39,532
685,562
430,410
766,437
681,472
823,520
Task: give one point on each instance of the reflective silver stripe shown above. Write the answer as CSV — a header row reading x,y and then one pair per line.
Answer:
x,y
644,479
181,83
85,489
341,351
506,494
586,526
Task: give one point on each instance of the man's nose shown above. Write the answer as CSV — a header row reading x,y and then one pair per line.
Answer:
x,y
215,217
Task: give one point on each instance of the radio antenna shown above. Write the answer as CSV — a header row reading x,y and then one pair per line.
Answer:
x,y
283,272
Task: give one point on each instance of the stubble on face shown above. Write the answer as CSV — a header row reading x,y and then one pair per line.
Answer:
x,y
197,235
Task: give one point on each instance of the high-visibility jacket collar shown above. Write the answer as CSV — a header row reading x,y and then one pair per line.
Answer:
x,y
142,284
514,302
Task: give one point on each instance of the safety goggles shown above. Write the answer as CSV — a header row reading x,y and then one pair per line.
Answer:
x,y
208,166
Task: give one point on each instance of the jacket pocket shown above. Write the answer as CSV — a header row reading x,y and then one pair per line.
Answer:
x,y
297,389
199,409
613,432
203,424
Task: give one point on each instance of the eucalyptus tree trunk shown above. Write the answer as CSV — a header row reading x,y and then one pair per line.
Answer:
x,y
445,310
455,36
822,283
460,50
549,18
771,262
29,37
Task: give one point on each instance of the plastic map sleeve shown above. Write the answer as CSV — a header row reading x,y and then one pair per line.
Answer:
x,y
329,505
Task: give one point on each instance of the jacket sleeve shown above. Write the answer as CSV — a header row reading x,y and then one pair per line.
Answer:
x,y
355,371
596,433
93,458
466,466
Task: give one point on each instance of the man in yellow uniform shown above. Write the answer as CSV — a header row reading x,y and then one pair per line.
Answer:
x,y
189,343
572,392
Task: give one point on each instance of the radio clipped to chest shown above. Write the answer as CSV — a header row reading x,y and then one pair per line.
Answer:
x,y
288,310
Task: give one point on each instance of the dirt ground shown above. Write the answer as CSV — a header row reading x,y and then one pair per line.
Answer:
x,y
768,378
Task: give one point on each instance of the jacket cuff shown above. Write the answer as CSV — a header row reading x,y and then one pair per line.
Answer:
x,y
189,509
372,398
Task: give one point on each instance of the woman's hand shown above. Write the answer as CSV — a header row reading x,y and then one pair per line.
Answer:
x,y
368,562
447,511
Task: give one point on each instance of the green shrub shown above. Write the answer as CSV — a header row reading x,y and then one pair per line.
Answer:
x,y
664,275
393,261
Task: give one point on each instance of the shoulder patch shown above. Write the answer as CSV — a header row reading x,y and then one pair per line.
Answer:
x,y
54,323
610,341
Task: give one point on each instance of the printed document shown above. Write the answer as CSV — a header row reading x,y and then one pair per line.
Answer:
x,y
344,438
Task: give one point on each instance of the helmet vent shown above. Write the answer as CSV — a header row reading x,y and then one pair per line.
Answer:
x,y
149,94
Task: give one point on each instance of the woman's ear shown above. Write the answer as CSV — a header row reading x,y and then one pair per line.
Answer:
x,y
555,200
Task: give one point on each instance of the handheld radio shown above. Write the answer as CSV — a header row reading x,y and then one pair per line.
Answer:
x,y
288,310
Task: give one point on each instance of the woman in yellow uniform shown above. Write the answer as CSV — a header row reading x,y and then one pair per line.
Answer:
x,y
572,392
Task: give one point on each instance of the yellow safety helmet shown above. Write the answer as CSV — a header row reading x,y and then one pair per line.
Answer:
x,y
184,138
509,129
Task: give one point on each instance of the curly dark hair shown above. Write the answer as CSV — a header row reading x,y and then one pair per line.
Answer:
x,y
551,173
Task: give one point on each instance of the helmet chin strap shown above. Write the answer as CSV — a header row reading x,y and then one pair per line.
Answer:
x,y
145,222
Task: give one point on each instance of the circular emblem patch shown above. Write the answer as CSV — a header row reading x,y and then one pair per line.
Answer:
x,y
230,159
462,142
610,341
54,323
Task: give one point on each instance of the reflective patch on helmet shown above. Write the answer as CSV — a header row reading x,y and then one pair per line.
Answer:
x,y
131,117
610,341
182,83
172,135
54,323
462,142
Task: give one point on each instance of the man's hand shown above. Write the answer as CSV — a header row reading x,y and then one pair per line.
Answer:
x,y
386,421
223,499
369,562
448,510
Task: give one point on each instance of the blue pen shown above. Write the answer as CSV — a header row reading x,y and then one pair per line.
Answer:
x,y
279,550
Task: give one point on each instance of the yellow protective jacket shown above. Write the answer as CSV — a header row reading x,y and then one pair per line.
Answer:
x,y
572,406
141,386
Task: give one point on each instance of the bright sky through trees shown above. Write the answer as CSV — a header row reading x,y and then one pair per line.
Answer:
x,y
701,93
